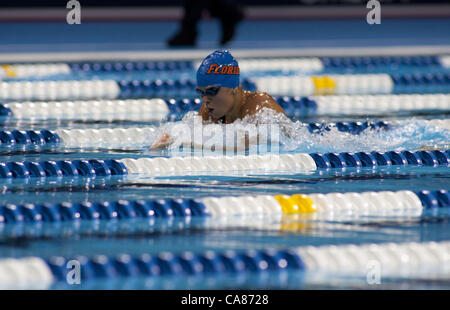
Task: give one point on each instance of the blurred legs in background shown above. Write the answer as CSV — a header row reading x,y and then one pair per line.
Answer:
x,y
228,12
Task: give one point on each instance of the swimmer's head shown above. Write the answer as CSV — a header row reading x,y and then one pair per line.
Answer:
x,y
217,79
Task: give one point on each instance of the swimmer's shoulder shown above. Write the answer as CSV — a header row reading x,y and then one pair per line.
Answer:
x,y
257,100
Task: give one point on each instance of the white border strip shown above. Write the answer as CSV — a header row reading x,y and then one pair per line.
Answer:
x,y
252,12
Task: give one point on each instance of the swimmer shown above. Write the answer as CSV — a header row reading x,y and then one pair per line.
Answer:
x,y
224,100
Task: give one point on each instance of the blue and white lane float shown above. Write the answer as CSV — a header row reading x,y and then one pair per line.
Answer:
x,y
445,61
361,104
218,165
59,90
134,109
313,206
344,84
133,136
99,89
330,84
427,260
283,162
34,70
160,109
302,64
353,84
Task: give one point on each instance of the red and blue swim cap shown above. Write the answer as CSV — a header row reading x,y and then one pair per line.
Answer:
x,y
218,68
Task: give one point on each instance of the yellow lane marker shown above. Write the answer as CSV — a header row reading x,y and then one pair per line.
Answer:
x,y
324,85
305,203
9,70
295,204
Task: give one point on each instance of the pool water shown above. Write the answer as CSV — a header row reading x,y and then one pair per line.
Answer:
x,y
163,236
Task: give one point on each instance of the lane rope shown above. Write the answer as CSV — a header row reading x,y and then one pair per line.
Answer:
x,y
383,203
427,260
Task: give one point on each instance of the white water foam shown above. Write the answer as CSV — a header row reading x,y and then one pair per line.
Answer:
x,y
295,137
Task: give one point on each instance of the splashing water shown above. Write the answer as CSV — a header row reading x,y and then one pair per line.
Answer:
x,y
294,137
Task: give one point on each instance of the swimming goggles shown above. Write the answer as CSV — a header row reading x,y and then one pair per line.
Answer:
x,y
211,91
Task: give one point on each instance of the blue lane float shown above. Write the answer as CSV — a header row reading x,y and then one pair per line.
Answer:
x,y
377,61
182,264
350,127
131,66
297,105
421,82
62,168
37,137
434,199
103,210
417,79
377,159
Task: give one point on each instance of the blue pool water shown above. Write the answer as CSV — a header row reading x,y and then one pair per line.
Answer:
x,y
176,235
81,239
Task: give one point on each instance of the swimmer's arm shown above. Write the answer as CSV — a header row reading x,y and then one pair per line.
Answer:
x,y
163,142
166,140
427,148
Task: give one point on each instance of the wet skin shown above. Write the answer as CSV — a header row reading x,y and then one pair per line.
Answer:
x,y
230,104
